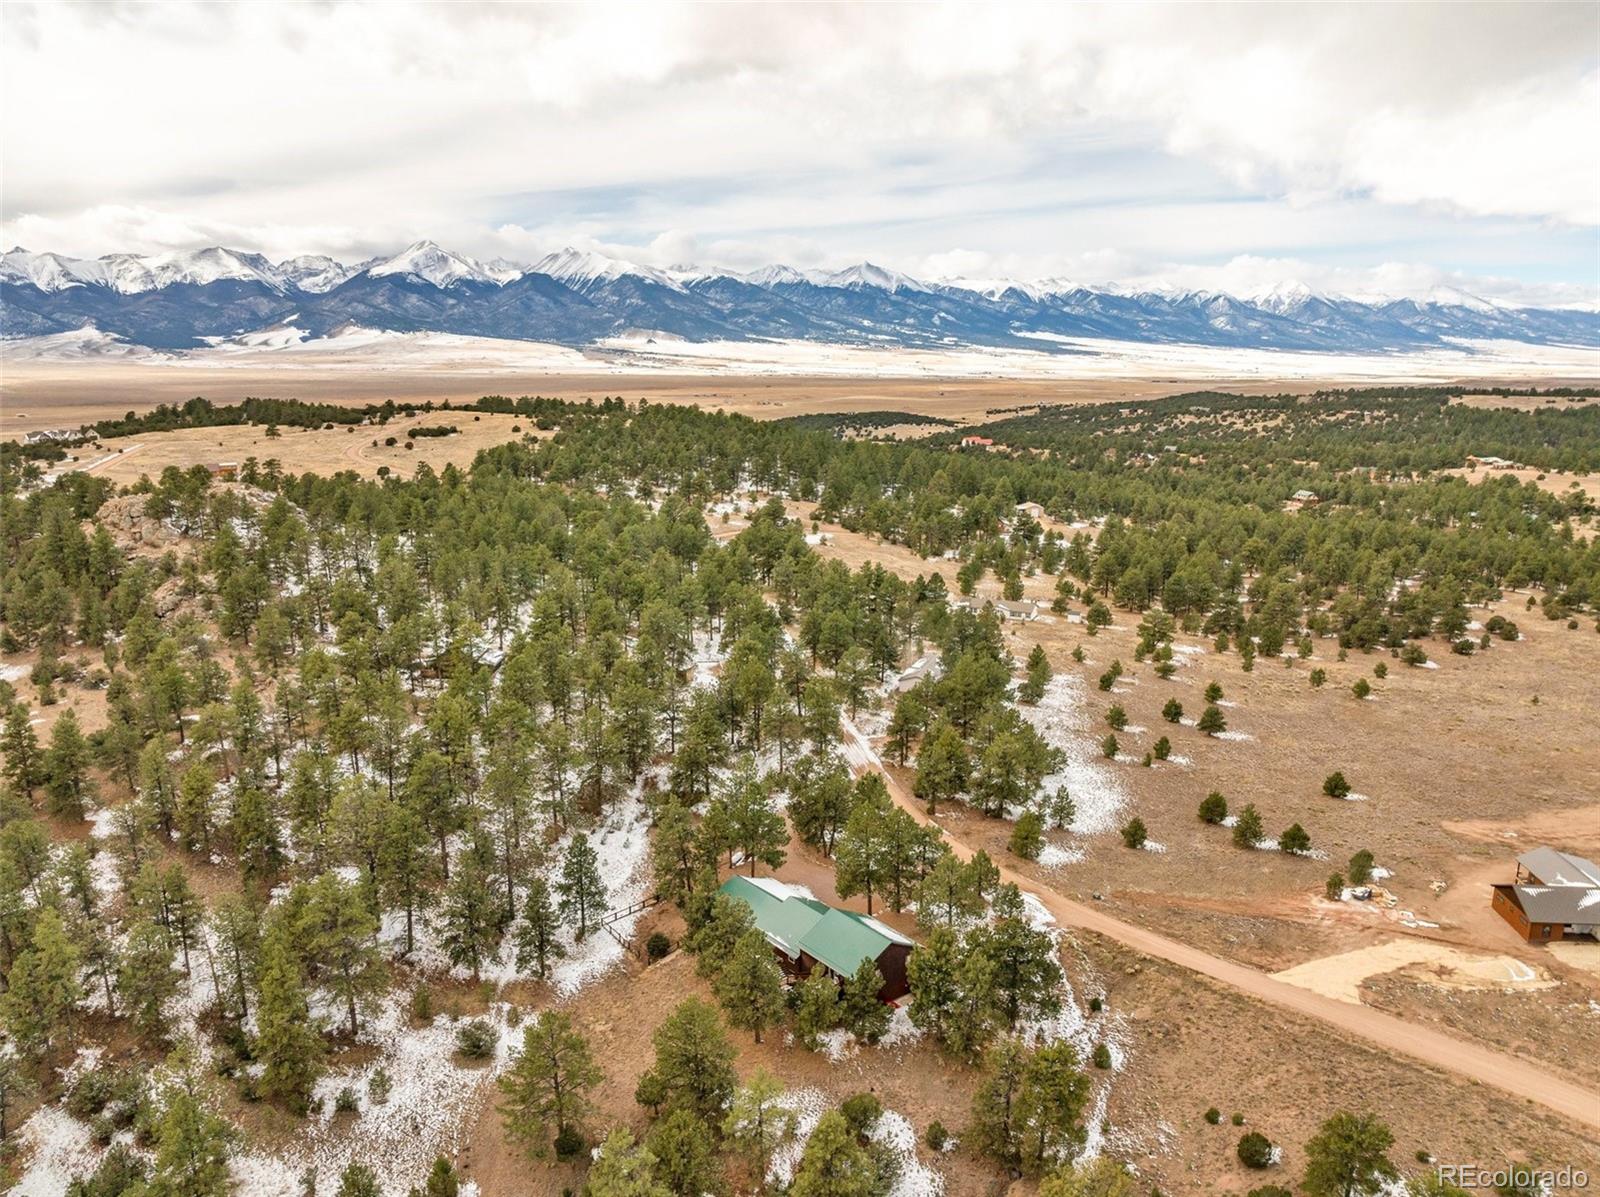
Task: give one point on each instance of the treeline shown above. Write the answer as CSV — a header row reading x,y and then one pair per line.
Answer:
x,y
296,413
863,422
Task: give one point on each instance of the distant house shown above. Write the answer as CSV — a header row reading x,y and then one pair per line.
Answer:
x,y
226,470
1555,895
1493,463
923,667
976,442
1305,497
807,935
1036,510
45,435
1026,610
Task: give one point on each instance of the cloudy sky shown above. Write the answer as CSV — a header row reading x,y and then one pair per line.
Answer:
x,y
1356,148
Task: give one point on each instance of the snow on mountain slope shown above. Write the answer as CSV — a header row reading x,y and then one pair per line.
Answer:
x,y
48,272
426,261
315,273
865,274
130,274
576,296
772,276
580,268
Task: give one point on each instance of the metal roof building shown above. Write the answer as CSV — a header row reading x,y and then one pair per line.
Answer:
x,y
1556,895
806,933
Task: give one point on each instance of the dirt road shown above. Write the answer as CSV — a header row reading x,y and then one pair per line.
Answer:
x,y
1431,1047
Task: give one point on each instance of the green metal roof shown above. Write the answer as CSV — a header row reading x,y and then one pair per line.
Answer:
x,y
840,939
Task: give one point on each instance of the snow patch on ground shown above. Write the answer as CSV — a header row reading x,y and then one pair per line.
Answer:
x,y
1062,719
1054,856
838,1044
808,1106
58,1147
915,1179
1083,1032
429,1112
901,1029
1234,736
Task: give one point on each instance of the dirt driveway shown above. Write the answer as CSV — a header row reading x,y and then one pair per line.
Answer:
x,y
1429,1046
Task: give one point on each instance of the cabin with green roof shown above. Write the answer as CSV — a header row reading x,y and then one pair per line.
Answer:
x,y
806,934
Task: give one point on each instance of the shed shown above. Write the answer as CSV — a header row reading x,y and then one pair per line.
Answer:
x,y
806,934
1555,895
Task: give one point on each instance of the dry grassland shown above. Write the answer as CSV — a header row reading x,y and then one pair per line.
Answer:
x,y
324,451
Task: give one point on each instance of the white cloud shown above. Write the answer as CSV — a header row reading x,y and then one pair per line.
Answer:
x,y
1055,141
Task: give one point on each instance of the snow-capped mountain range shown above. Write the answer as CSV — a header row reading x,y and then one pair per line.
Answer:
x,y
575,297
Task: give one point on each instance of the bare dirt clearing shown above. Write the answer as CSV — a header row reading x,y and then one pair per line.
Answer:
x,y
359,448
1553,482
1341,976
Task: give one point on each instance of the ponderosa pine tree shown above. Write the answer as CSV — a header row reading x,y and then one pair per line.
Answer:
x,y
1100,1177
861,862
469,917
583,893
1248,830
146,980
287,1043
750,986
996,1129
933,972
1348,1157
1027,978
758,1122
44,991
817,1009
948,895
1050,1107
65,768
537,945
748,822
686,1154
821,797
1027,835
192,1150
695,1060
546,1091
834,1164
16,1086
1032,689
339,933
238,955
623,1168
23,764
406,866
674,852
860,1008
358,1180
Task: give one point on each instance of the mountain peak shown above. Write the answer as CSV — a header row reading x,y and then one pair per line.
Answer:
x,y
773,276
583,268
866,274
424,260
